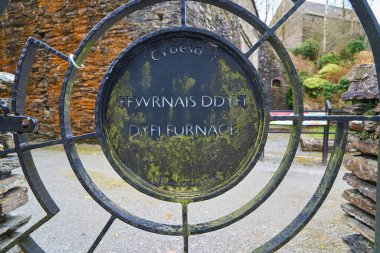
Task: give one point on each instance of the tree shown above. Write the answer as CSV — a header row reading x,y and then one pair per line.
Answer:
x,y
325,21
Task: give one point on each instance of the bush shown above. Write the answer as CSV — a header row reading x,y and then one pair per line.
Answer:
x,y
314,85
356,46
289,98
303,75
330,58
309,49
329,89
345,54
343,84
329,69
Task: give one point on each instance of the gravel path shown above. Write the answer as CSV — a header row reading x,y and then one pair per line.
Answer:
x,y
81,219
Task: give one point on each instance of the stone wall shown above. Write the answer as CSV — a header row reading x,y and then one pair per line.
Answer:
x,y
307,22
13,190
63,24
271,71
360,209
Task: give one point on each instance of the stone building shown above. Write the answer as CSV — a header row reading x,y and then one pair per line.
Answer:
x,y
307,22
63,24
271,71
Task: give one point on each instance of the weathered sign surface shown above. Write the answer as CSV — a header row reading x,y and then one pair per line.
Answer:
x,y
181,113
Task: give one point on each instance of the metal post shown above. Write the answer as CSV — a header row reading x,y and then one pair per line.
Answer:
x,y
326,134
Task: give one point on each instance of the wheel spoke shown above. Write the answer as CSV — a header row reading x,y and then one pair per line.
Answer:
x,y
7,151
183,12
185,227
287,15
40,145
81,137
264,38
102,234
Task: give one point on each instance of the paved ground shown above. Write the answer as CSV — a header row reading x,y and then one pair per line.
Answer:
x,y
81,219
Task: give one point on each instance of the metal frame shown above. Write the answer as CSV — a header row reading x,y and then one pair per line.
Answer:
x,y
22,147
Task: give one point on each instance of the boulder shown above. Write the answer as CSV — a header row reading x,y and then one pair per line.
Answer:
x,y
357,109
366,147
314,145
360,126
363,83
361,167
356,126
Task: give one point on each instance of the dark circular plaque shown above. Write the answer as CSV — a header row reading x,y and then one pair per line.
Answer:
x,y
181,115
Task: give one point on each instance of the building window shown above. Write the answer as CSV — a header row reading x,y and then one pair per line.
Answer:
x,y
276,83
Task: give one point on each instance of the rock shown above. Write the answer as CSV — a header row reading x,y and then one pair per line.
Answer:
x,y
11,182
358,244
6,140
314,145
359,227
5,172
15,249
6,82
377,108
9,163
12,223
363,83
360,126
362,186
360,201
357,126
364,168
357,109
13,199
4,242
359,214
371,126
367,147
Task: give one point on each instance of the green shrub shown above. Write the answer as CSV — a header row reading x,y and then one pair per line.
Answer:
x,y
356,46
343,84
346,55
309,49
329,69
303,75
314,85
289,98
329,58
329,89
370,112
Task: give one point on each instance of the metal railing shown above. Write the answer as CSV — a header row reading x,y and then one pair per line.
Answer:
x,y
326,127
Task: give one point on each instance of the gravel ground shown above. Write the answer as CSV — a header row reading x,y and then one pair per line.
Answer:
x,y
81,219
